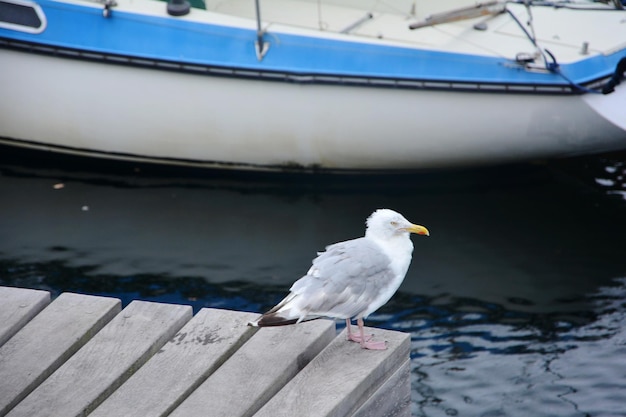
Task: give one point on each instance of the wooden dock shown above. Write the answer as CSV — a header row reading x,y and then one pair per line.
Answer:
x,y
84,355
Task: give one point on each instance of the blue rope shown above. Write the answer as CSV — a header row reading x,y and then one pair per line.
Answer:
x,y
555,68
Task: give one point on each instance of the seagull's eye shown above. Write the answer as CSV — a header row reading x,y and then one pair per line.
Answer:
x,y
394,224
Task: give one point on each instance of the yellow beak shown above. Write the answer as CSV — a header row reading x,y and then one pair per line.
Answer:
x,y
417,229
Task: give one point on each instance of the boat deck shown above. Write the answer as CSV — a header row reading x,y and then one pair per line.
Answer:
x,y
390,20
85,355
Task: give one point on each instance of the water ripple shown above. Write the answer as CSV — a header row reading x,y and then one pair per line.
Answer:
x,y
480,364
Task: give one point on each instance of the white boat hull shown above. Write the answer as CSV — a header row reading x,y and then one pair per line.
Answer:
x,y
132,113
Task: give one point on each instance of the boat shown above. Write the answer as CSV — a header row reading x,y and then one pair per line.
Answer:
x,y
314,85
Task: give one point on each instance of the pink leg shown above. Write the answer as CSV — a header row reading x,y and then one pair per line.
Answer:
x,y
349,327
367,343
355,337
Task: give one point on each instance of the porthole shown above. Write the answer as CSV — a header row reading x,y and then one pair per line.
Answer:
x,y
24,16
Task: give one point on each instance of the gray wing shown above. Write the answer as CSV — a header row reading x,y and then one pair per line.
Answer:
x,y
344,280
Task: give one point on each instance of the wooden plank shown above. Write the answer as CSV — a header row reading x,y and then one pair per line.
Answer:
x,y
261,367
106,361
47,341
393,398
340,379
181,365
17,307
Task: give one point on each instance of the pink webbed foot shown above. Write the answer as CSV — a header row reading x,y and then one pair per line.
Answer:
x,y
365,340
374,345
357,338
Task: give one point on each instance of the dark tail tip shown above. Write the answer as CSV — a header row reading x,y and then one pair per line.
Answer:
x,y
273,319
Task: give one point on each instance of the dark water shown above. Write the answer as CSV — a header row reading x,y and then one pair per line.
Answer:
x,y
516,304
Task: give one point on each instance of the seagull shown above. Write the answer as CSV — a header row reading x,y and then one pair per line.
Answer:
x,y
352,279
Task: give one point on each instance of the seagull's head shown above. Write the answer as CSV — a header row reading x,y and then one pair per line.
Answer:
x,y
386,223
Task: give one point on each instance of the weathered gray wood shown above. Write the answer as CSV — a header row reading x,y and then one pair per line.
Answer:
x,y
393,398
17,307
214,366
47,341
259,369
180,366
340,379
106,361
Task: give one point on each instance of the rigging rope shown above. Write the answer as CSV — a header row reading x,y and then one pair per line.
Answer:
x,y
554,67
